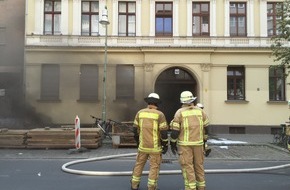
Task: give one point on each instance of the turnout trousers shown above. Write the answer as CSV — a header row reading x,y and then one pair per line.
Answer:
x,y
154,161
191,159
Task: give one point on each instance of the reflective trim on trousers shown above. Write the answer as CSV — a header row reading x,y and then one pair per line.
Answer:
x,y
152,184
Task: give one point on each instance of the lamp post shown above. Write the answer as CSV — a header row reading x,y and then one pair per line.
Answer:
x,y
104,21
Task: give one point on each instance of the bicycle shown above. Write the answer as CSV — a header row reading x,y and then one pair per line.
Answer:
x,y
103,125
281,138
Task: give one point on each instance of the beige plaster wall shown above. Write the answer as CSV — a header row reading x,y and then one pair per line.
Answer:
x,y
149,63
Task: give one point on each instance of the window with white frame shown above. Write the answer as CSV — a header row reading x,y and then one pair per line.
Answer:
x,y
277,83
90,18
238,19
52,17
236,82
163,19
273,18
200,18
127,18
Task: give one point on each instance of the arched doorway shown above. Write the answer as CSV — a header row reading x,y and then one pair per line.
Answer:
x,y
169,84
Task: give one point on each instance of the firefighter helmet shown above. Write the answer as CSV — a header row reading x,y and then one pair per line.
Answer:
x,y
153,98
186,97
200,105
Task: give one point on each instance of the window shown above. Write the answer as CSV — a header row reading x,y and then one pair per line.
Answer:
x,y
276,83
238,21
163,19
90,18
236,82
89,82
200,19
49,82
127,19
273,18
125,82
52,17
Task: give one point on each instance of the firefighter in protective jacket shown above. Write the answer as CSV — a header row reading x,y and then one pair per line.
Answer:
x,y
187,129
150,132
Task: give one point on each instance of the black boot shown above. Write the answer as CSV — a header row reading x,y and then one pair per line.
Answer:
x,y
207,152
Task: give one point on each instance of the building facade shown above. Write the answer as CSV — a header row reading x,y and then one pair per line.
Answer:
x,y
12,25
217,49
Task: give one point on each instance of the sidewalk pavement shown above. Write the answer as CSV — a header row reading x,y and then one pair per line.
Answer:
x,y
224,146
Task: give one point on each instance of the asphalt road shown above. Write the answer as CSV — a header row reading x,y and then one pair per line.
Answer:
x,y
46,174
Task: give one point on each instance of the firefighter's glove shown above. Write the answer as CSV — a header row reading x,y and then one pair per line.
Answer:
x,y
173,147
164,146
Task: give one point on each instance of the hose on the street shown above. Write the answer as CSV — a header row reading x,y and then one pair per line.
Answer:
x,y
162,172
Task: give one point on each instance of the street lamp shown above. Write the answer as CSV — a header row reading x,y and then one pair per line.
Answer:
x,y
104,21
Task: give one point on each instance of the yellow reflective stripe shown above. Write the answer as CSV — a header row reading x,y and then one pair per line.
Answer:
x,y
136,179
155,135
149,150
149,115
173,140
175,125
152,182
206,122
191,185
200,142
162,125
186,130
141,133
191,112
200,183
200,128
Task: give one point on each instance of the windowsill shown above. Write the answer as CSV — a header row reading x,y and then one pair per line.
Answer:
x,y
277,102
49,100
236,101
87,101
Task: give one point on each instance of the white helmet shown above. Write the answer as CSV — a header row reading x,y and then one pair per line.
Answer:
x,y
153,98
200,105
153,95
186,97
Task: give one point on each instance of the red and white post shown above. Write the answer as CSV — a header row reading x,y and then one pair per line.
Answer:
x,y
77,133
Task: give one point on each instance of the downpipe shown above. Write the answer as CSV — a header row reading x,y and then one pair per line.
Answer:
x,y
162,172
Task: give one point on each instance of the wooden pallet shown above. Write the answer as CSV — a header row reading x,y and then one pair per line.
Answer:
x,y
122,135
13,138
59,138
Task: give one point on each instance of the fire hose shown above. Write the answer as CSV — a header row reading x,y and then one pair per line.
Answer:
x,y
162,172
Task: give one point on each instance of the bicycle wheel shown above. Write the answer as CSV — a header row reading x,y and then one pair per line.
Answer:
x,y
276,138
287,142
108,128
284,143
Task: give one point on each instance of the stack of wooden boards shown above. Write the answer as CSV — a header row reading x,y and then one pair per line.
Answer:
x,y
13,138
50,138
